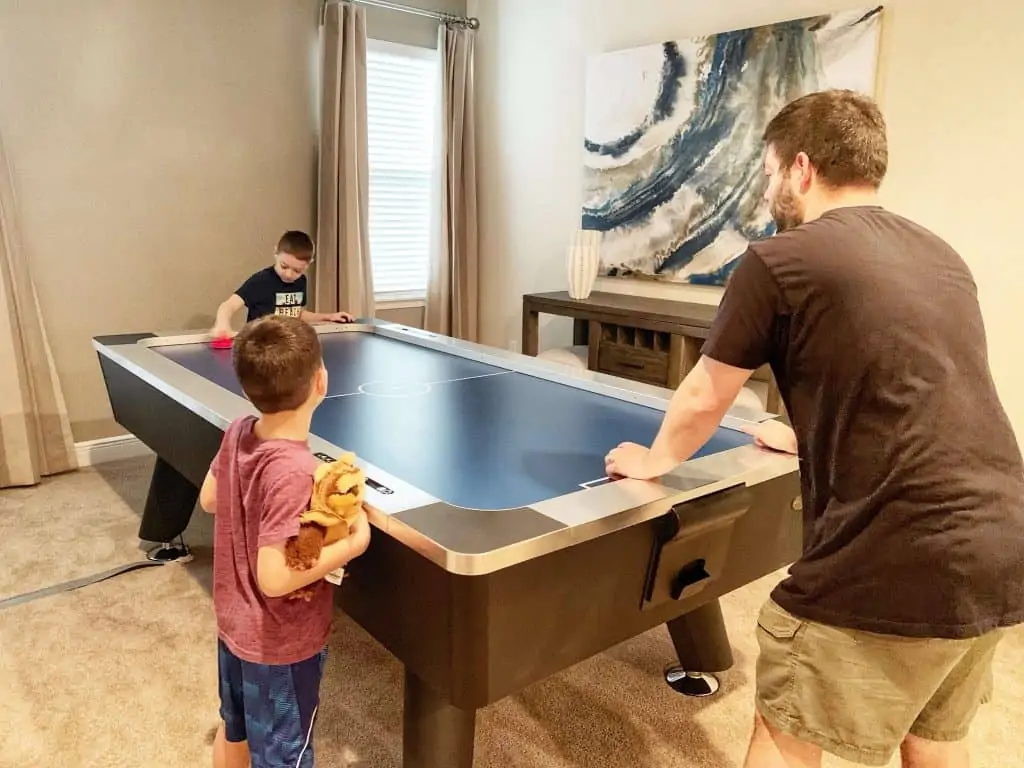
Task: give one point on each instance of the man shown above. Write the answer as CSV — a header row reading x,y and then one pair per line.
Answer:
x,y
883,633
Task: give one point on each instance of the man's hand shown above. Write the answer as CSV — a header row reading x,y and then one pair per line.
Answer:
x,y
773,435
630,460
694,412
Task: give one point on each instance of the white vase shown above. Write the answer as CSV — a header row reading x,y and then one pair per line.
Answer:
x,y
582,262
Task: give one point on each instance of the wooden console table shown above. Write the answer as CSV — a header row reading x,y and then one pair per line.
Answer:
x,y
657,341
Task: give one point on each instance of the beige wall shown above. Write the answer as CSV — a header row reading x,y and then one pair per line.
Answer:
x,y
158,150
405,313
408,28
957,152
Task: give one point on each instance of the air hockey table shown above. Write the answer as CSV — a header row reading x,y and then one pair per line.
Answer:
x,y
500,553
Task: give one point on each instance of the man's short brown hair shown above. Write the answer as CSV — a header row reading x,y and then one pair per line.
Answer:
x,y
276,359
296,243
842,132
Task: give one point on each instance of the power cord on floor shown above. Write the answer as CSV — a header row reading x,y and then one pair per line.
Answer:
x,y
74,584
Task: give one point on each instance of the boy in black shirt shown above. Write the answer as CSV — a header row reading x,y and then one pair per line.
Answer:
x,y
279,289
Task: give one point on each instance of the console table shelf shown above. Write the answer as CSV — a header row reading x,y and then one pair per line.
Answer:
x,y
656,341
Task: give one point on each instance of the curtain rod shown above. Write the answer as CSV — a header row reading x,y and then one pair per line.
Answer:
x,y
447,18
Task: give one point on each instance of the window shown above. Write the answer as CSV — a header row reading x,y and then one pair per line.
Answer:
x,y
401,105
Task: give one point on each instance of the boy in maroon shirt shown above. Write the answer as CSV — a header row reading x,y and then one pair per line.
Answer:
x,y
271,649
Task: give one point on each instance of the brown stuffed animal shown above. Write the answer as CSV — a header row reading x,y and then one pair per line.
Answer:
x,y
339,488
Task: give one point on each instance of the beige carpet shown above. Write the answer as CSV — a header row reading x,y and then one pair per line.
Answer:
x,y
123,673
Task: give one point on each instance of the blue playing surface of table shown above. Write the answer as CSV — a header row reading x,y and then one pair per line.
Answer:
x,y
470,434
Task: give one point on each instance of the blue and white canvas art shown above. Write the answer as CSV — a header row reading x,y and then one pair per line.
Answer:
x,y
673,155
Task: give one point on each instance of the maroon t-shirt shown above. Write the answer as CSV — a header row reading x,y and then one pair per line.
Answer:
x,y
912,477
262,488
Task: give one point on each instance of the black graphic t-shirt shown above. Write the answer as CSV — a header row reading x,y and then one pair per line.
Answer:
x,y
265,293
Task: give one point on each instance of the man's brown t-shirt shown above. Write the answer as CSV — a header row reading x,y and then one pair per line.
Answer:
x,y
913,482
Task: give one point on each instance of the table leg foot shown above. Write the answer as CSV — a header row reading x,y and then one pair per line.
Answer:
x,y
702,646
169,505
691,683
436,733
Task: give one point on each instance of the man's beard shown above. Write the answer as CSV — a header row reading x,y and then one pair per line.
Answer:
x,y
785,209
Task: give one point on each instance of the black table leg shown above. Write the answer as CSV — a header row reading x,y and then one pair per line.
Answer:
x,y
169,506
702,645
436,734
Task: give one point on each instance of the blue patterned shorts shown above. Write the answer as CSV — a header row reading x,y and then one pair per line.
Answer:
x,y
271,707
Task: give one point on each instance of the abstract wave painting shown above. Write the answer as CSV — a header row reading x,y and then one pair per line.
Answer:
x,y
674,174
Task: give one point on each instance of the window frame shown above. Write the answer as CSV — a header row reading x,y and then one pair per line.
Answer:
x,y
406,299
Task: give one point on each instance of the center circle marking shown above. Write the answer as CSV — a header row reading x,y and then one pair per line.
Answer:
x,y
393,389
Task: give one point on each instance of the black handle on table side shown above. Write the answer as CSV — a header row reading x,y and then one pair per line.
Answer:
x,y
688,575
700,513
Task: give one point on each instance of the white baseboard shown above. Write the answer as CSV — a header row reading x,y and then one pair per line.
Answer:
x,y
92,452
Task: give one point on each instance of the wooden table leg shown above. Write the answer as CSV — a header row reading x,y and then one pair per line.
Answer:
x,y
691,353
580,332
676,361
593,344
531,330
435,734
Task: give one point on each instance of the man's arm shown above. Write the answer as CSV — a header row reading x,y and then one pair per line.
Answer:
x,y
208,494
226,310
695,411
740,341
276,579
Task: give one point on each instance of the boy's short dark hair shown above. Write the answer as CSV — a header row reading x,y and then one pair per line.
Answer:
x,y
276,358
842,132
298,244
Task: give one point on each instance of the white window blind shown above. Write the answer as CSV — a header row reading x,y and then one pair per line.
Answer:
x,y
401,100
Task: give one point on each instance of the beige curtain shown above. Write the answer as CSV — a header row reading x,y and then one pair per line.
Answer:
x,y
35,432
343,278
453,290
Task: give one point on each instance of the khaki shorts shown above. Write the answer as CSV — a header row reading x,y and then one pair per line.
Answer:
x,y
858,694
